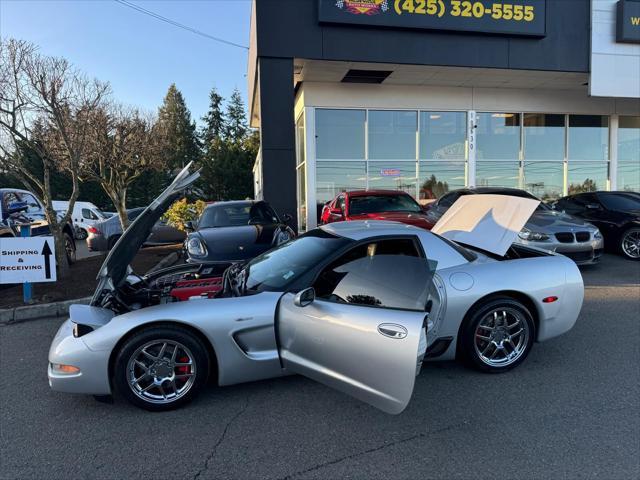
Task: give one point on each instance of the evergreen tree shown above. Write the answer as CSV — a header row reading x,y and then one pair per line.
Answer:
x,y
214,121
237,128
179,131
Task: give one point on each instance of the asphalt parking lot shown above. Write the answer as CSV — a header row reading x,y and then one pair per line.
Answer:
x,y
571,410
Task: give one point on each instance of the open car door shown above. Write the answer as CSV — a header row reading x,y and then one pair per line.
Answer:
x,y
361,328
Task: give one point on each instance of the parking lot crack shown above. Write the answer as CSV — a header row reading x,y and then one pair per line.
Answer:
x,y
220,440
374,449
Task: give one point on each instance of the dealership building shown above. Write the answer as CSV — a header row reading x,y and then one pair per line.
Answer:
x,y
427,96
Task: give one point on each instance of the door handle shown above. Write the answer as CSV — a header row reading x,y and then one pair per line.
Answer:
x,y
392,330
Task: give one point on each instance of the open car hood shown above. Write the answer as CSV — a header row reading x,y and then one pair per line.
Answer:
x,y
116,265
487,222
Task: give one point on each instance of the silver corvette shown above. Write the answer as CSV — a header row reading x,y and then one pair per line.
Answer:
x,y
354,305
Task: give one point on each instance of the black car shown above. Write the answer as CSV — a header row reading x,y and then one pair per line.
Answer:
x,y
235,231
616,214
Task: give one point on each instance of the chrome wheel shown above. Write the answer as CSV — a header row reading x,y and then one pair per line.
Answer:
x,y
631,243
70,249
501,337
161,371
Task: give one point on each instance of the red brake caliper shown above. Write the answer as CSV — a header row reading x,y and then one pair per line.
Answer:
x,y
183,369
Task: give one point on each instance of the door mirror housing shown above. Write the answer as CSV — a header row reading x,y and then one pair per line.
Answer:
x,y
304,297
189,226
335,211
286,218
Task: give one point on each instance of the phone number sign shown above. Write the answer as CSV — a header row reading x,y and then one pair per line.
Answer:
x,y
509,17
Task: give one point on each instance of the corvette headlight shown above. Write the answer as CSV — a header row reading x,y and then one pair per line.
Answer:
x,y
196,248
597,235
530,236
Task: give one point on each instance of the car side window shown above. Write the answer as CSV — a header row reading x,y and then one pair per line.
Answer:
x,y
448,200
340,202
32,203
383,273
88,214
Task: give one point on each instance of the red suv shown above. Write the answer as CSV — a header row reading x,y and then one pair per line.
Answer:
x,y
390,205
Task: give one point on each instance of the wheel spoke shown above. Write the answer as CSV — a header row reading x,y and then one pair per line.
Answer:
x,y
173,355
184,375
517,333
486,327
162,392
148,355
137,380
482,337
142,366
164,347
182,364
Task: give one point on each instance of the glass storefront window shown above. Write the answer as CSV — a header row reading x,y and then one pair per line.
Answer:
x,y
629,176
392,134
543,136
588,137
498,174
335,177
544,179
300,153
498,136
393,176
587,177
443,135
629,139
302,197
440,177
340,134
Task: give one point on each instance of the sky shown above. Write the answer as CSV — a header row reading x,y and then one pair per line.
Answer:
x,y
139,55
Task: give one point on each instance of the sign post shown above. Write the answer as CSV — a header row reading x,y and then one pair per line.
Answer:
x,y
27,291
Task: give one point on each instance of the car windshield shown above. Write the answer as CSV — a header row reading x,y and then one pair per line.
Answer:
x,y
382,203
620,201
236,214
542,207
277,268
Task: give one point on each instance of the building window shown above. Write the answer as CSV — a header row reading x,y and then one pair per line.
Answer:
x,y
439,177
335,177
498,136
392,134
587,177
392,176
498,174
443,135
340,134
629,153
588,137
544,136
545,180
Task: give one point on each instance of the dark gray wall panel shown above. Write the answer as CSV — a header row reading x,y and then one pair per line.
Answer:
x,y
277,133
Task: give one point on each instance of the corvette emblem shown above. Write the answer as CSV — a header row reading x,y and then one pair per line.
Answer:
x,y
364,7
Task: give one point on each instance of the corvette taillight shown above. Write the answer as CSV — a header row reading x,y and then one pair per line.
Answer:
x,y
94,230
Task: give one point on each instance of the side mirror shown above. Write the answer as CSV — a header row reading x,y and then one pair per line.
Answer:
x,y
335,211
286,218
304,297
189,226
593,206
15,207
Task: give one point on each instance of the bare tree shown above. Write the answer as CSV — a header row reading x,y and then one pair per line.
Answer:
x,y
123,145
45,105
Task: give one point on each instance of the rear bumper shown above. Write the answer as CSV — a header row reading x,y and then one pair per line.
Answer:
x,y
93,377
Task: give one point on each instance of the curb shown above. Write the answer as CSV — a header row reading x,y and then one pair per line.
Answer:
x,y
10,316
34,312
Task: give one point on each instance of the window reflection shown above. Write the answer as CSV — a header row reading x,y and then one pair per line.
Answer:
x,y
438,178
543,179
498,174
340,134
335,177
587,177
392,134
443,135
393,176
498,136
588,137
543,136
629,176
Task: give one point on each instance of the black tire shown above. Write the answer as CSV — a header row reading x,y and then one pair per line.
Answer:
x,y
70,248
112,241
81,234
130,348
472,343
627,250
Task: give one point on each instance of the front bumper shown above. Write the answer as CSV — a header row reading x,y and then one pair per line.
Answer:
x,y
93,377
582,253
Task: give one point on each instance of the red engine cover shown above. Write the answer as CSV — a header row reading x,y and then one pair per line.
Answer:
x,y
192,288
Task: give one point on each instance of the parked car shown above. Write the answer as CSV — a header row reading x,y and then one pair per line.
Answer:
x,y
355,305
393,205
236,230
21,206
104,235
547,228
84,215
616,214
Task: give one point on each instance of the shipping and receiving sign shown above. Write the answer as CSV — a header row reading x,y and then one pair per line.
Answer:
x,y
512,17
628,21
30,259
